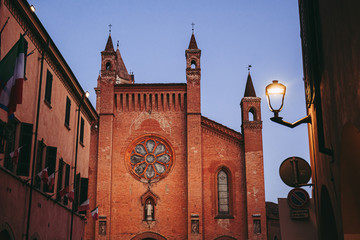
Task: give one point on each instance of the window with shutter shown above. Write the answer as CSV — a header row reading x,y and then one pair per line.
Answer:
x,y
48,87
50,164
25,143
67,112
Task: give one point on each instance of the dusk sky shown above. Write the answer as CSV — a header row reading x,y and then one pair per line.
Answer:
x,y
153,36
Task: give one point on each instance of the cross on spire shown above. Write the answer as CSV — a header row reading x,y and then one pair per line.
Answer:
x,y
248,67
110,28
192,24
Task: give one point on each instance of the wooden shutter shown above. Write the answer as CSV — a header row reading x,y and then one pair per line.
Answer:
x,y
25,152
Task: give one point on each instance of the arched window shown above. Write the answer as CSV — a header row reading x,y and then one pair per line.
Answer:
x,y
108,65
223,192
193,64
252,114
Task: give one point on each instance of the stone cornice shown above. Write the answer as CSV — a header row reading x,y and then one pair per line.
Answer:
x,y
221,130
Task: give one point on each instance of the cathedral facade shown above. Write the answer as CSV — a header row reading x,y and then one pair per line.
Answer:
x,y
160,170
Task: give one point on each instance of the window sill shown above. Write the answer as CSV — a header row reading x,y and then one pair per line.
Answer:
x,y
224,216
67,126
48,104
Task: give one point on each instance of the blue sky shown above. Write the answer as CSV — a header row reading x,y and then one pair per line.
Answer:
x,y
153,36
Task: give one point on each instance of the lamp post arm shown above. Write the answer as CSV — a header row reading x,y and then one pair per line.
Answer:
x,y
279,120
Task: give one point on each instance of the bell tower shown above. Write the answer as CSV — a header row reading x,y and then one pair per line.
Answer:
x,y
193,75
252,132
194,157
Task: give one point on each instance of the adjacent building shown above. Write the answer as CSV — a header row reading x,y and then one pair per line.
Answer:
x,y
43,131
331,57
159,169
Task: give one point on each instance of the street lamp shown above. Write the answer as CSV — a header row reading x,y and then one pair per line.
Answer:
x,y
275,94
86,94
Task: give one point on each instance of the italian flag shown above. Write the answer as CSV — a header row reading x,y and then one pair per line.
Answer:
x,y
95,214
84,206
12,70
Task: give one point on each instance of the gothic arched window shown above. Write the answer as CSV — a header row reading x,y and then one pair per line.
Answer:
x,y
223,192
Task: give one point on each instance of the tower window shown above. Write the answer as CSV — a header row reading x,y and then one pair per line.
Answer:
x,y
108,65
193,64
252,116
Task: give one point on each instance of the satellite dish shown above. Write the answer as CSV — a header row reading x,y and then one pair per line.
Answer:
x,y
295,171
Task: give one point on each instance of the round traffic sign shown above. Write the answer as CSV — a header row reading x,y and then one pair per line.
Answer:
x,y
298,198
295,171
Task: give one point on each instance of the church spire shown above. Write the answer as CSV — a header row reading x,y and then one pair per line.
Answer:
x,y
109,45
249,89
192,44
121,70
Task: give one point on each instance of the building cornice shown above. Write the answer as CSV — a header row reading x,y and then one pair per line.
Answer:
x,y
221,130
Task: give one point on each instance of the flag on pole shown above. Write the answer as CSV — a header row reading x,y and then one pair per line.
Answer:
x,y
95,213
71,196
64,191
51,181
12,71
84,206
44,175
15,155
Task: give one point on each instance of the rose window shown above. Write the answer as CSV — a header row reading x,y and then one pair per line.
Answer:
x,y
150,158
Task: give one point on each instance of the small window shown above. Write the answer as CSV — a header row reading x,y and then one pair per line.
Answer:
x,y
193,64
48,87
108,65
82,123
223,192
67,112
252,116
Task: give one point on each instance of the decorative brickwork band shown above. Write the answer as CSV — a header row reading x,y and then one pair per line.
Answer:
x,y
252,124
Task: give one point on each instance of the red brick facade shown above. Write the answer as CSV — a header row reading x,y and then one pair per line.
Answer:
x,y
160,170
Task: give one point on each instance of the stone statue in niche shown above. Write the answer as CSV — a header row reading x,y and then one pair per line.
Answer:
x,y
194,226
149,211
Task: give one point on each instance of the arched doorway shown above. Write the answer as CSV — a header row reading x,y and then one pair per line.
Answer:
x,y
5,232
148,236
328,230
350,180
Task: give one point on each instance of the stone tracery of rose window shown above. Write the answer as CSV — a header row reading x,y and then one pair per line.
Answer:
x,y
150,158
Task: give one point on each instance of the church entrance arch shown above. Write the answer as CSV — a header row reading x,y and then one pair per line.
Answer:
x,y
148,236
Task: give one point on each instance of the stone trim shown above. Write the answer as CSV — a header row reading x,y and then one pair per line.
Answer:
x,y
220,130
